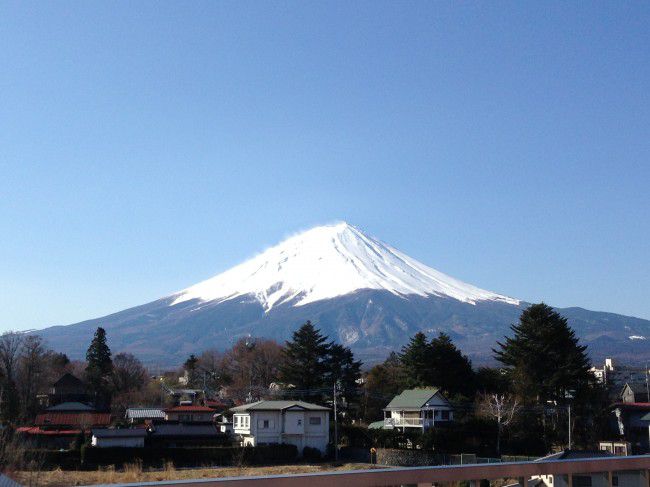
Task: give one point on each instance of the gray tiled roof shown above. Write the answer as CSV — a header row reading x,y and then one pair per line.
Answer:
x,y
145,413
119,433
71,406
185,430
277,406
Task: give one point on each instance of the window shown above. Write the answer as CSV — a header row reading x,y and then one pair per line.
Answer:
x,y
299,422
264,424
314,420
615,480
445,415
582,481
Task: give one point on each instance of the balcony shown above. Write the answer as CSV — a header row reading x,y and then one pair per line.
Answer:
x,y
403,422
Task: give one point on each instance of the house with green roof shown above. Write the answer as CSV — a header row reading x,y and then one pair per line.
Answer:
x,y
421,408
273,422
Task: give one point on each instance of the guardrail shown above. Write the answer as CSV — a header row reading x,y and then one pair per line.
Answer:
x,y
425,476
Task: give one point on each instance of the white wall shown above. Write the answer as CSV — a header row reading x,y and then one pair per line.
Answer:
x,y
285,428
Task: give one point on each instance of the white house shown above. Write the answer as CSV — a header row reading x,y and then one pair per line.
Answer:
x,y
417,408
293,422
125,438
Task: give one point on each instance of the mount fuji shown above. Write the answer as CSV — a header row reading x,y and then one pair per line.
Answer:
x,y
359,290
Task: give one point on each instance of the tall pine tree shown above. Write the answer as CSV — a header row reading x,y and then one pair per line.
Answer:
x,y
449,369
342,368
305,360
546,361
414,359
99,369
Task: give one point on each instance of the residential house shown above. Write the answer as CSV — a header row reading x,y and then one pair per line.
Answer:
x,y
629,478
634,392
59,425
67,389
185,434
144,415
189,414
273,422
421,408
616,448
124,438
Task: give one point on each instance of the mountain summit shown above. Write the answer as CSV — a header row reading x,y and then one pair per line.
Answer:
x,y
327,262
358,290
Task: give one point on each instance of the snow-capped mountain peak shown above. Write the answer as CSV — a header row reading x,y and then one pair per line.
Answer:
x,y
330,261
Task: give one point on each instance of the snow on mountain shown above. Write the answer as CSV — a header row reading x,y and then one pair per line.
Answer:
x,y
330,261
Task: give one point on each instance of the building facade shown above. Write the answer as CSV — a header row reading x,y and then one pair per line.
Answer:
x,y
275,422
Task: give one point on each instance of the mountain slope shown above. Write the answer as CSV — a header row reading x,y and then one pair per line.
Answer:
x,y
357,289
330,261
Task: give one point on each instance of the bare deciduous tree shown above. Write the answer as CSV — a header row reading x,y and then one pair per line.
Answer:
x,y
10,348
502,408
31,373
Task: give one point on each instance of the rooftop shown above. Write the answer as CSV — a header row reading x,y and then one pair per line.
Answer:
x,y
413,398
189,409
68,380
145,413
574,455
73,419
185,430
71,406
278,406
119,433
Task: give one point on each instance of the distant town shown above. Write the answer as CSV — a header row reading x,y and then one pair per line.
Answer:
x,y
309,401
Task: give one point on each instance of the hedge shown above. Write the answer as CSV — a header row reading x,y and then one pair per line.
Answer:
x,y
152,457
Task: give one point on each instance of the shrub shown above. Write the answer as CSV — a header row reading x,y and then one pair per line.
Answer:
x,y
311,454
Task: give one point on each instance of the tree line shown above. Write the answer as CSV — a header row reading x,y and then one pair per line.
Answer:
x,y
543,370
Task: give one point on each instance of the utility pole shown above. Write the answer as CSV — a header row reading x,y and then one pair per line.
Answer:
x,y
569,426
647,387
336,428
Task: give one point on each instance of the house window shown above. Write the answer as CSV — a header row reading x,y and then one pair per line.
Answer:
x,y
582,481
445,415
265,424
314,420
615,480
299,422
246,419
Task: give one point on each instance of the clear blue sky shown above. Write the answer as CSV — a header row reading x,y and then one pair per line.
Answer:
x,y
145,146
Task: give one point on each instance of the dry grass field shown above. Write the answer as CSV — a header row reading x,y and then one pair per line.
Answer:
x,y
135,473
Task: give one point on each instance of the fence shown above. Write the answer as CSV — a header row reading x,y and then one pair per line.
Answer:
x,y
412,458
426,476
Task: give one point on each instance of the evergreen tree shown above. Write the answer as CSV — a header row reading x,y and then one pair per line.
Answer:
x,y
550,368
99,369
448,368
342,368
305,360
544,356
383,381
414,359
190,367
